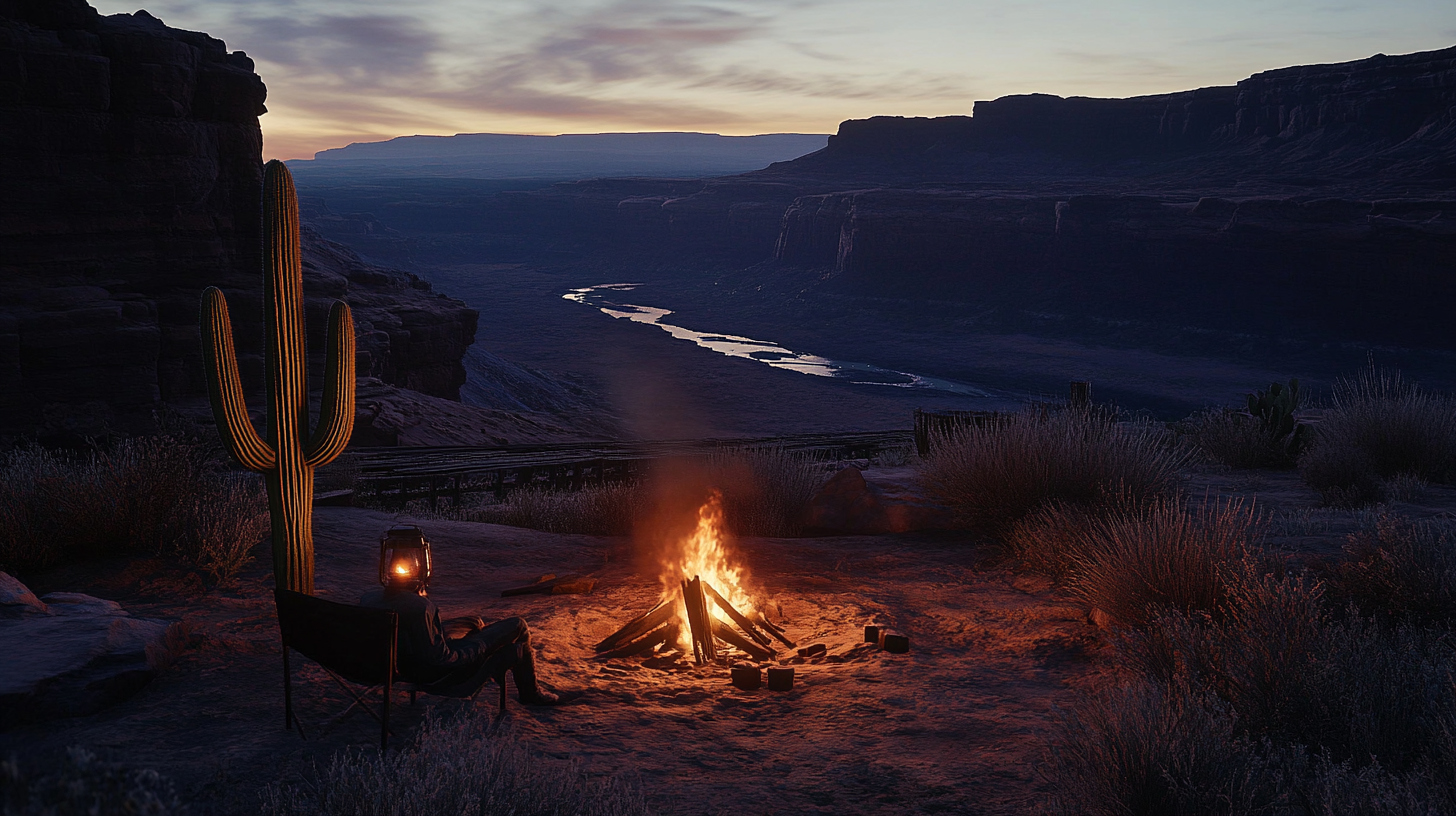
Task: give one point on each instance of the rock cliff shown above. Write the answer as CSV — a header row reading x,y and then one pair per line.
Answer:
x,y
130,176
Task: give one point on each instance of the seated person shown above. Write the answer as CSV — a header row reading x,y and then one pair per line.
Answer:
x,y
428,651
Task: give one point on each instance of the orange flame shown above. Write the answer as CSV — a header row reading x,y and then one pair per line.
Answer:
x,y
704,555
402,568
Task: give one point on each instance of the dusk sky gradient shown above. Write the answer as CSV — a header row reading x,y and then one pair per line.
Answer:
x,y
342,71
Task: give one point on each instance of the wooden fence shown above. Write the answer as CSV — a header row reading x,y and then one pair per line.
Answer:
x,y
394,476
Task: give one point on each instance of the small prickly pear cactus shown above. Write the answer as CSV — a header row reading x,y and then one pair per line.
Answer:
x,y
289,453
1275,409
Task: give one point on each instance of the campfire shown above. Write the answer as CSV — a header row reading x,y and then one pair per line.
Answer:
x,y
703,604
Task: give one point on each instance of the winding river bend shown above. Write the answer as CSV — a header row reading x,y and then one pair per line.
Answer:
x,y
603,297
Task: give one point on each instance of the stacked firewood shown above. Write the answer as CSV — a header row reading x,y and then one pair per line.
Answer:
x,y
659,626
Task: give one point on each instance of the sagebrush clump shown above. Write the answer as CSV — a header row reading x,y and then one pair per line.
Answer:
x,y
1379,427
1130,560
994,476
465,768
163,495
609,509
766,491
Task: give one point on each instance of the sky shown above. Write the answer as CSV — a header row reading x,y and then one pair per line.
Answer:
x,y
343,71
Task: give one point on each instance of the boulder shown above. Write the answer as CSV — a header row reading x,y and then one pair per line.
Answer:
x,y
16,599
847,504
69,654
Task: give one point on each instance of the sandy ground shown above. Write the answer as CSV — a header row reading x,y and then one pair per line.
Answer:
x,y
952,727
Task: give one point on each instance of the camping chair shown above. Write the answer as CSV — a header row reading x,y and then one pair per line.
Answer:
x,y
357,644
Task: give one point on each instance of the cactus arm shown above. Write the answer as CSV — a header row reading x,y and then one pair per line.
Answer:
x,y
225,387
336,414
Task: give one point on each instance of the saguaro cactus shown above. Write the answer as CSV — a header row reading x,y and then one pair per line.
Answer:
x,y
288,455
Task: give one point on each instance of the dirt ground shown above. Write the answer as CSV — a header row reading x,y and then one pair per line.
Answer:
x,y
952,727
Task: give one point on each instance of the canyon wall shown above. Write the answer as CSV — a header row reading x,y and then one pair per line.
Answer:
x,y
130,179
1380,272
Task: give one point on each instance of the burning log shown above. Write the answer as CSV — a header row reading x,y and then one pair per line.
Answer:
x,y
700,623
777,633
726,634
664,635
738,618
651,619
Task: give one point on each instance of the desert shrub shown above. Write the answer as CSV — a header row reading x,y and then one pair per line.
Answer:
x,y
150,478
995,475
1402,568
217,526
607,509
894,457
1237,440
465,767
1341,474
1380,426
1132,560
1334,788
1405,487
1343,713
766,491
1147,748
161,494
50,504
82,785
1342,685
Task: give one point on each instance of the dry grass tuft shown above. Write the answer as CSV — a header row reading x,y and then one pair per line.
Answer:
x,y
609,509
82,784
766,491
1235,439
1132,561
160,494
1146,748
1284,706
997,475
465,767
1379,427
1402,569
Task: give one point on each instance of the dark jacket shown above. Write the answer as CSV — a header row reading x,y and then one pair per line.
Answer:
x,y
424,653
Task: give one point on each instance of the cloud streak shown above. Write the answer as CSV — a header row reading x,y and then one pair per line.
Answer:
x,y
344,70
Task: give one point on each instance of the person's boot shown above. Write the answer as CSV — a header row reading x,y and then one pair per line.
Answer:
x,y
529,688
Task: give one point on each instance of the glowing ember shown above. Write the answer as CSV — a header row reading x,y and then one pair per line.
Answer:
x,y
704,555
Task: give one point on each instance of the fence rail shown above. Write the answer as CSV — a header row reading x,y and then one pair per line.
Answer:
x,y
394,476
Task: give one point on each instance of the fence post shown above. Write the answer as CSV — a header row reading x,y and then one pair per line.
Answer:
x,y
1080,394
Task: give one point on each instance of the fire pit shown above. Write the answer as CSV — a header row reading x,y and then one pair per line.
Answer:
x,y
703,603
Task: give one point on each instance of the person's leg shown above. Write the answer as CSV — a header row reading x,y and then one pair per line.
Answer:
x,y
456,628
511,633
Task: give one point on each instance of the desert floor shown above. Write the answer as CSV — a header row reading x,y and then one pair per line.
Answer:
x,y
955,726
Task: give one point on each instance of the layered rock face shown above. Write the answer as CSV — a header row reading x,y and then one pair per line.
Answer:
x,y
1372,124
1373,271
130,176
1316,201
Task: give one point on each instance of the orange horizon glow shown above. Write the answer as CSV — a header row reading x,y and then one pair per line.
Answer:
x,y
343,71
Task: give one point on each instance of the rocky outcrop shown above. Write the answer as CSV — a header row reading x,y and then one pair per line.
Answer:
x,y
1374,271
1376,123
408,336
130,176
68,654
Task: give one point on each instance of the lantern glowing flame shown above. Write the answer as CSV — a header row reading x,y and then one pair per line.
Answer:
x,y
704,555
402,568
